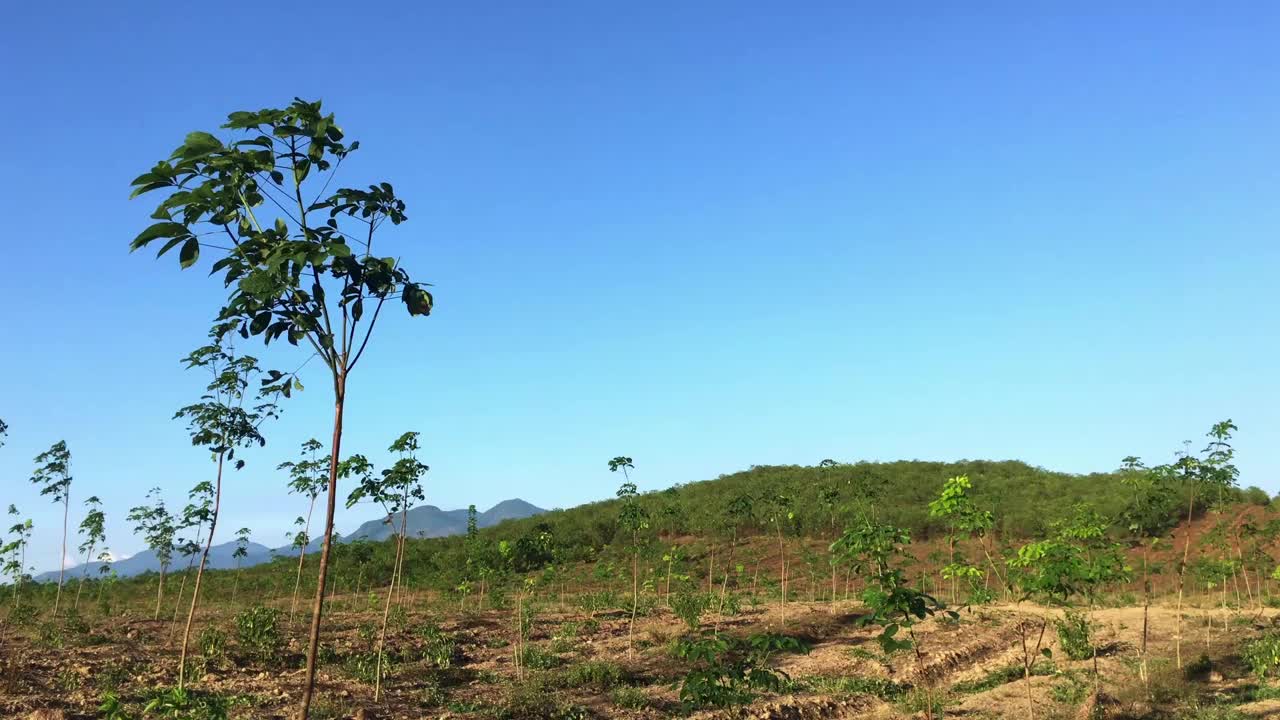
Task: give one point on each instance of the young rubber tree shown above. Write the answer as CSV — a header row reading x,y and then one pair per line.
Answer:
x,y
963,518
107,574
406,475
241,552
1146,516
479,569
53,477
194,517
14,552
739,513
299,261
94,533
394,489
156,525
633,519
1199,477
1077,559
222,422
781,516
879,550
308,478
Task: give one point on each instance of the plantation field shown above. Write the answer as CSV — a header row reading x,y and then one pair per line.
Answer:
x,y
446,661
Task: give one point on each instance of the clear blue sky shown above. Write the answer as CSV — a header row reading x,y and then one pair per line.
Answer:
x,y
707,235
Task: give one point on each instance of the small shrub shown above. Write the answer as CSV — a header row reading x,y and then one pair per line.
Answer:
x,y
68,680
22,615
1001,676
728,671
1262,655
398,618
1201,666
630,698
531,701
258,632
1074,636
434,695
689,607
111,677
1071,690
50,635
599,674
364,666
536,658
876,687
438,646
112,709
326,654
213,644
187,704
73,624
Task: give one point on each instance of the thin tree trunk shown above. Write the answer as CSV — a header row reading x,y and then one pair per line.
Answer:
x,y
1182,576
177,604
160,592
80,587
302,556
635,597
62,559
404,539
382,636
204,558
782,549
317,613
1146,613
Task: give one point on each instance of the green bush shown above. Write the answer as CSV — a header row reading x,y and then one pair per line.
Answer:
x,y
364,666
630,698
213,643
689,607
438,646
594,673
112,709
1262,654
876,687
1074,636
187,704
258,632
50,635
537,658
727,671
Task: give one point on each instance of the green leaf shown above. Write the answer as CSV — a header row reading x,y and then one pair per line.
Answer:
x,y
417,300
190,253
158,230
259,323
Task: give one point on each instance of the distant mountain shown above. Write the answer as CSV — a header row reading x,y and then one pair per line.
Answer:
x,y
220,558
424,521
430,521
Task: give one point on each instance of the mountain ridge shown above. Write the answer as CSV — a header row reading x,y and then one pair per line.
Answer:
x,y
424,521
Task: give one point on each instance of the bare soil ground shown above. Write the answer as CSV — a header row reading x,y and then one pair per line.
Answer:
x,y
580,667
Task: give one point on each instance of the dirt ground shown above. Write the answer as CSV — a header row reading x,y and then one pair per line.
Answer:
x,y
581,667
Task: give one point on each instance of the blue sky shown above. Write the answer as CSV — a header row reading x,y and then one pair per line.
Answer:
x,y
707,235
